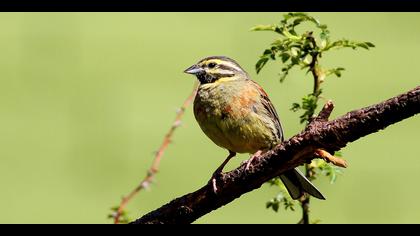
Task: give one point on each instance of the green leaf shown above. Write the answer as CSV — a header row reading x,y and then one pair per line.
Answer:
x,y
295,107
273,56
273,204
306,59
291,36
297,14
324,35
316,221
267,52
281,198
278,43
309,104
370,44
289,205
285,71
328,170
260,64
336,71
286,17
283,77
274,181
293,32
295,60
363,45
123,218
297,21
264,28
323,27
275,207
284,57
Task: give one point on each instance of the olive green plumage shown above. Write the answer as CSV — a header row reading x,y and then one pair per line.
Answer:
x,y
236,114
234,121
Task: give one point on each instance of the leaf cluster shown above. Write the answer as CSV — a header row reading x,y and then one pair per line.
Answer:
x,y
281,199
301,49
329,171
123,217
309,104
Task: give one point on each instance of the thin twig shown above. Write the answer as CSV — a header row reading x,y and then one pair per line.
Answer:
x,y
309,170
147,181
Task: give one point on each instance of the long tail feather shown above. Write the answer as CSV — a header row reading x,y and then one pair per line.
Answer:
x,y
296,184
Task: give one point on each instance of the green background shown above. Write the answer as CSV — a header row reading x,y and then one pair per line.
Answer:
x,y
86,98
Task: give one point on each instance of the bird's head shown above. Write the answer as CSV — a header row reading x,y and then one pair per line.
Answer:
x,y
211,69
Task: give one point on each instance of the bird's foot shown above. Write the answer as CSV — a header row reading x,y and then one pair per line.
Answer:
x,y
216,175
252,158
219,171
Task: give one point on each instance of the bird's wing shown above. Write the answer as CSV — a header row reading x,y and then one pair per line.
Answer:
x,y
270,110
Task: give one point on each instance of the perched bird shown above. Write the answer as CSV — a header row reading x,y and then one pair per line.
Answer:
x,y
236,114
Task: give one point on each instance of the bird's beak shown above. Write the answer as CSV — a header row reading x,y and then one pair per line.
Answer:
x,y
194,69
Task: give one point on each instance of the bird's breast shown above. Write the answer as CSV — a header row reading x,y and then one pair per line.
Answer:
x,y
229,115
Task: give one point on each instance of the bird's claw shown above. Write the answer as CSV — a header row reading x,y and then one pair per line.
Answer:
x,y
216,175
214,185
248,163
251,159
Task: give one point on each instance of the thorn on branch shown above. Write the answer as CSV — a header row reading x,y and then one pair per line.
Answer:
x,y
145,185
326,111
320,153
180,110
177,123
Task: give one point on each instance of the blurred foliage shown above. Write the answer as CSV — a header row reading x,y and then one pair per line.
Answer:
x,y
281,199
123,217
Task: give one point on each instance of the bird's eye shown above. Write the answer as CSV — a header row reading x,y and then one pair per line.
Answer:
x,y
211,65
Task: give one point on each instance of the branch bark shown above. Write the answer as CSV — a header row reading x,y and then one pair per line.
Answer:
x,y
319,134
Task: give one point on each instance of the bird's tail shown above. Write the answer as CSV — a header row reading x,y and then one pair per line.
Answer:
x,y
297,184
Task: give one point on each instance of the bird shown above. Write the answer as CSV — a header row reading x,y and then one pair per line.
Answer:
x,y
236,114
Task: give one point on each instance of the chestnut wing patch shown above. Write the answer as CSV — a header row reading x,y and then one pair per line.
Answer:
x,y
270,110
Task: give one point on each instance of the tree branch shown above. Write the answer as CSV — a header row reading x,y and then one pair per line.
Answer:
x,y
320,133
